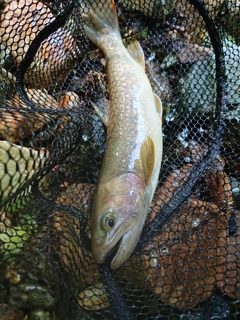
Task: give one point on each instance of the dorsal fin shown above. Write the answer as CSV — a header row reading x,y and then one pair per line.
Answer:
x,y
136,52
147,154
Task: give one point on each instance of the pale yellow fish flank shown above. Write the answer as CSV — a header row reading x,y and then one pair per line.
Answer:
x,y
131,164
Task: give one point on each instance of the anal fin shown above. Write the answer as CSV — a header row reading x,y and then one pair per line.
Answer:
x,y
158,105
102,107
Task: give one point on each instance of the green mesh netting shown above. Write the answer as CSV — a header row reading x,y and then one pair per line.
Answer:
x,y
186,264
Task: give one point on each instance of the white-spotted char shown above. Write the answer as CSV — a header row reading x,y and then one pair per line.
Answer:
x,y
132,161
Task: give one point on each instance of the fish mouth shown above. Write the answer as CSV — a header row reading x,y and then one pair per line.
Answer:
x,y
114,251
122,250
107,255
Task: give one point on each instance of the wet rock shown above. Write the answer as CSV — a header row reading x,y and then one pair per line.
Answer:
x,y
7,313
20,23
193,22
198,85
231,19
40,315
215,308
235,184
152,8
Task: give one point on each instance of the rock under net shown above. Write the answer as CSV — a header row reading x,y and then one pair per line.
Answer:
x,y
186,264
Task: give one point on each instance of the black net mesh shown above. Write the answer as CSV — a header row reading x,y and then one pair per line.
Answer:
x,y
186,264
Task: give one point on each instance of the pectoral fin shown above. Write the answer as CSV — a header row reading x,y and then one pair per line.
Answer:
x,y
158,105
102,108
147,155
136,52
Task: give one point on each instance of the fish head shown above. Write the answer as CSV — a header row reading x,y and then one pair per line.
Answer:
x,y
119,214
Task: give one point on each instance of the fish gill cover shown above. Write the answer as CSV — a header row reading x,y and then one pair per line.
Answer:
x,y
186,264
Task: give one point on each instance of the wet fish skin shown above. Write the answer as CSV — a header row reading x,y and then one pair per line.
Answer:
x,y
131,164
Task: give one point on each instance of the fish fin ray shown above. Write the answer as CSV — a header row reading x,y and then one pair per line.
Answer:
x,y
147,154
102,108
136,52
158,105
101,20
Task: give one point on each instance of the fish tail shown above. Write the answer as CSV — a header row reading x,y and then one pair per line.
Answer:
x,y
100,21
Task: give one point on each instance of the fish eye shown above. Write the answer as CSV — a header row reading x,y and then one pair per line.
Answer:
x,y
108,221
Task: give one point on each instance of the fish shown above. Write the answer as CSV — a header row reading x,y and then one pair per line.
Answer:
x,y
131,164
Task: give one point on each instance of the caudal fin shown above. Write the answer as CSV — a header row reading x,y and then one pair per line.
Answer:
x,y
101,20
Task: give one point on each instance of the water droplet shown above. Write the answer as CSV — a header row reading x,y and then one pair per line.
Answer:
x,y
196,223
85,137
